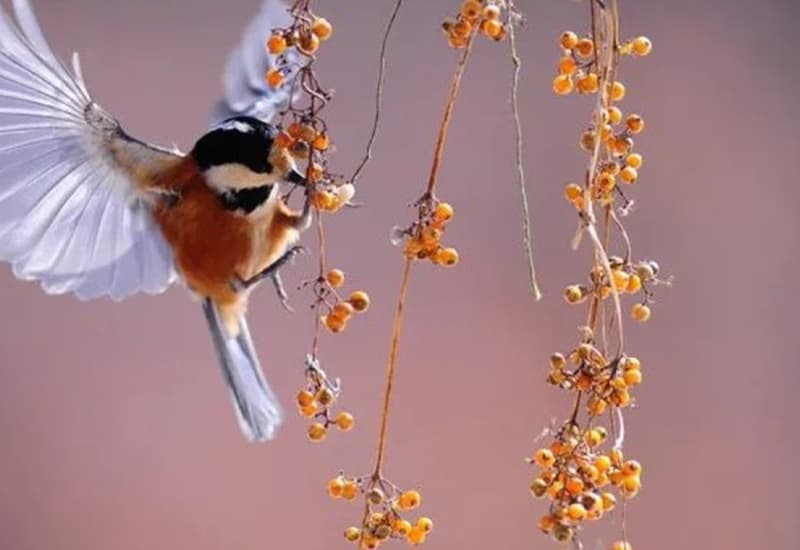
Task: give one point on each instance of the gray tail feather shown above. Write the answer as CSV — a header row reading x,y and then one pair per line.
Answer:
x,y
256,406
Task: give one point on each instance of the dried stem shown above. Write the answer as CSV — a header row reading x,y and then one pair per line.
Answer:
x,y
527,236
378,92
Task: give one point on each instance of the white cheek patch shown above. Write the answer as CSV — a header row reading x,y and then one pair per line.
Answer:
x,y
236,176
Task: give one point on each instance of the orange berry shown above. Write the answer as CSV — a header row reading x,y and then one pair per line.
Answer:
x,y
402,527
317,432
545,458
609,501
334,324
576,511
308,410
629,175
621,279
369,542
335,278
621,545
642,46
274,78
640,312
448,257
359,301
443,212
585,47
471,9
462,29
568,40
632,468
573,192
305,398
634,160
491,28
276,44
631,484
635,123
633,377
603,463
456,42
321,142
309,44
315,172
345,421
588,83
616,457
597,406
343,310
606,182
325,397
335,487
425,524
322,28
547,523
575,486
416,536
614,115
409,500
562,85
283,140
567,65
631,363
350,490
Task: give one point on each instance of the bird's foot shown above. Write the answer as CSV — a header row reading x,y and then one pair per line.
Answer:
x,y
272,272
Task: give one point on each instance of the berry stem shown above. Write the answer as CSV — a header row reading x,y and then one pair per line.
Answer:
x,y
527,235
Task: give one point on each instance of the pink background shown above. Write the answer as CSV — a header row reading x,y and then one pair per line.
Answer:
x,y
116,431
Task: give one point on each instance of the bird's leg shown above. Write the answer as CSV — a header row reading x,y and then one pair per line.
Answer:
x,y
272,271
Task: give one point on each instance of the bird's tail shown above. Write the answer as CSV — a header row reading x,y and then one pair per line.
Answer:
x,y
256,406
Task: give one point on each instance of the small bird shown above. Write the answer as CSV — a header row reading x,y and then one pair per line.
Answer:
x,y
87,209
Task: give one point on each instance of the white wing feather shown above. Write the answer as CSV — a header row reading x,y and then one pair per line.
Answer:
x,y
246,92
70,214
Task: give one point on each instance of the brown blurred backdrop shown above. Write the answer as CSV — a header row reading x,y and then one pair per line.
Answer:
x,y
115,428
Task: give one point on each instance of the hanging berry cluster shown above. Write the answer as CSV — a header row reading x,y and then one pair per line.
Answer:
x,y
421,240
304,137
583,467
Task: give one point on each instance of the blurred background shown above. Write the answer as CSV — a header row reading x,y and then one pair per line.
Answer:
x,y
115,429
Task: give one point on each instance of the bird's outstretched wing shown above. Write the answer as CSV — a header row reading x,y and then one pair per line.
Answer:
x,y
246,92
75,213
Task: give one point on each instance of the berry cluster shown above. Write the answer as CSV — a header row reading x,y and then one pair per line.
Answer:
x,y
577,477
316,400
485,16
383,516
304,35
339,311
423,240
583,467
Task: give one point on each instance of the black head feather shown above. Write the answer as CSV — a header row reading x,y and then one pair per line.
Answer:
x,y
239,140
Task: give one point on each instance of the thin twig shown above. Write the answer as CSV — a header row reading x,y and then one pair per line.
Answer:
x,y
378,93
527,235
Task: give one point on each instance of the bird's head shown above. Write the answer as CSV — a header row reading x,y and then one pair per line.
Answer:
x,y
240,154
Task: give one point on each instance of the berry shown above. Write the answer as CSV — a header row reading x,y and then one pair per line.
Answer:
x,y
448,257
335,487
343,310
305,398
276,44
585,47
425,524
642,46
322,28
335,278
640,312
360,301
352,534
545,458
409,500
274,78
345,421
317,432
562,85
568,40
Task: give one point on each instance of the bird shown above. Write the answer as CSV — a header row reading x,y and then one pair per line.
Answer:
x,y
87,209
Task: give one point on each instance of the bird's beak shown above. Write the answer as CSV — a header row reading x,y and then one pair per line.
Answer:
x,y
296,178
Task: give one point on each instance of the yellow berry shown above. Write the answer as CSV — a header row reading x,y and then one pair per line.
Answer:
x,y
621,545
632,468
574,294
274,78
352,534
588,83
409,500
305,398
635,123
585,47
576,511
335,487
538,487
308,410
603,463
616,457
545,458
597,406
322,28
614,115
462,29
448,257
471,9
629,175
309,44
573,192
491,28
443,212
633,377
593,438
568,40
345,421
640,312
575,486
335,278
606,181
634,160
642,46
634,284
360,301
425,524
621,279
616,91
317,432
609,501
631,363
276,44
562,85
